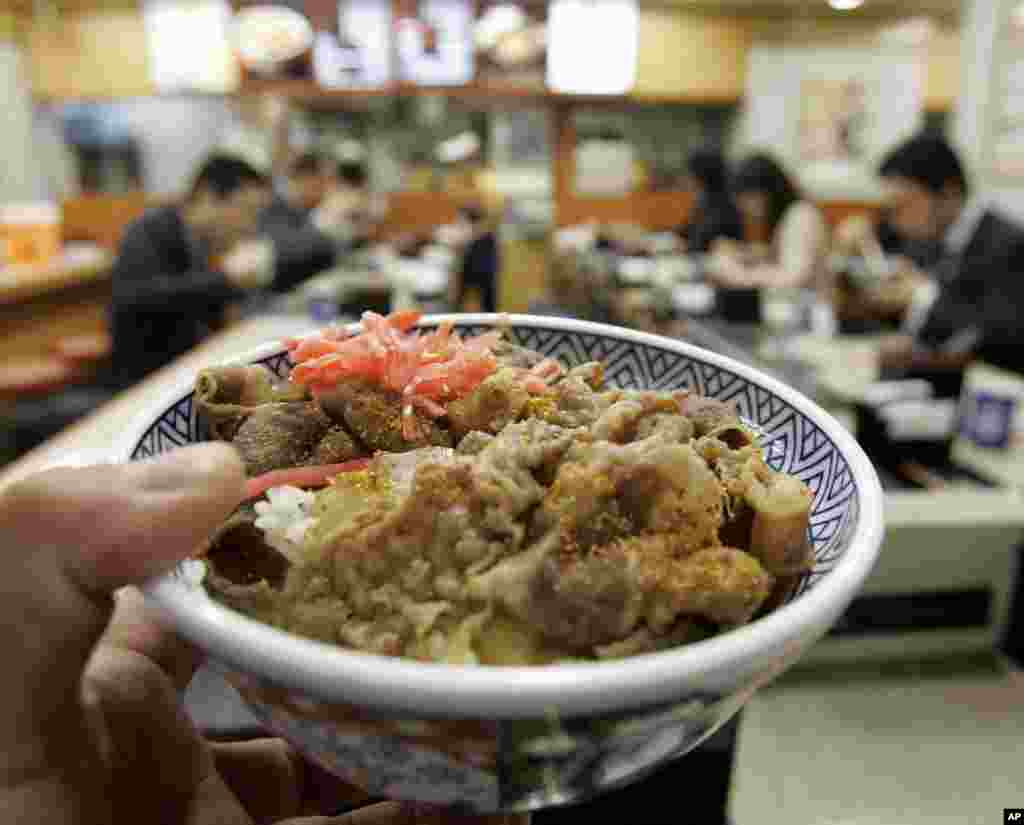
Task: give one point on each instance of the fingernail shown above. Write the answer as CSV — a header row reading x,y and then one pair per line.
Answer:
x,y
183,468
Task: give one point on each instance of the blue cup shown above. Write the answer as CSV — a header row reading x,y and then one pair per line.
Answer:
x,y
988,419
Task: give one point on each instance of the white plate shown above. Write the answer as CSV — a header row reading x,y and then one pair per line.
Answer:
x,y
267,36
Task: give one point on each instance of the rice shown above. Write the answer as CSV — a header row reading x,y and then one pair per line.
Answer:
x,y
285,517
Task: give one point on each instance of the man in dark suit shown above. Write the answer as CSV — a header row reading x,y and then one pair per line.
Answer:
x,y
978,303
179,265
303,246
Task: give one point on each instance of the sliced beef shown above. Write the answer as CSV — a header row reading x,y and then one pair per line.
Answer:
x,y
715,419
226,396
499,400
583,602
275,436
374,416
591,373
624,420
722,584
336,447
243,570
474,443
513,355
429,522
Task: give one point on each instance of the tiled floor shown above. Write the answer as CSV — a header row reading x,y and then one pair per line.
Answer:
x,y
928,751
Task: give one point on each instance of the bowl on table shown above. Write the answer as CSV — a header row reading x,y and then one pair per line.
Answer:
x,y
490,738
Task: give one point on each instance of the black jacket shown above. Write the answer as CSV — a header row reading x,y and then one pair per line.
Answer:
x,y
987,294
166,297
300,249
713,217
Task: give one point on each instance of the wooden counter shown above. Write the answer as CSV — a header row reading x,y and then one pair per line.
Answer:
x,y
78,265
40,305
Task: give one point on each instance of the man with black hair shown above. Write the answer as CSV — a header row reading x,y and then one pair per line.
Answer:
x,y
978,293
303,246
178,265
349,210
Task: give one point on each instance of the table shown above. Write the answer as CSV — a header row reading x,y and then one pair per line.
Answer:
x,y
43,304
402,278
77,265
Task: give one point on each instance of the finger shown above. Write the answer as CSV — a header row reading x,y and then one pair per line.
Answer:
x,y
272,780
325,793
138,627
74,536
383,813
153,752
262,775
424,814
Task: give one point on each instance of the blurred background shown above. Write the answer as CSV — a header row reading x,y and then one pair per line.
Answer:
x,y
830,190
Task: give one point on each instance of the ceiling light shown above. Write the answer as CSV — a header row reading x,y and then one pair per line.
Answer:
x,y
845,5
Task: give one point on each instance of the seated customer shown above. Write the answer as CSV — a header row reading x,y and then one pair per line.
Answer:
x,y
168,292
714,213
978,305
798,237
475,235
350,209
303,239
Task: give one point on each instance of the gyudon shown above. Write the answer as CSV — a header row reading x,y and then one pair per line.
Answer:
x,y
469,501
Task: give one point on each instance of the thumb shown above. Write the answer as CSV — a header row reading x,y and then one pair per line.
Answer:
x,y
73,536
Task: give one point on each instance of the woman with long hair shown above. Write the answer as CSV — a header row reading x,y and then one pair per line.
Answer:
x,y
714,213
798,235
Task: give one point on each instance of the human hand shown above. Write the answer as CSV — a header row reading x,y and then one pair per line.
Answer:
x,y
724,267
274,109
91,728
250,265
853,235
895,351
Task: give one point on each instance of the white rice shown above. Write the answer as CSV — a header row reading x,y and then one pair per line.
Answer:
x,y
284,518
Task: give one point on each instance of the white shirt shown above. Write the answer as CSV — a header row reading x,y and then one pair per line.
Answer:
x,y
801,244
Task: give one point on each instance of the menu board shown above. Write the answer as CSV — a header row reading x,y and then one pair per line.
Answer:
x,y
592,46
354,52
207,65
511,44
434,47
1007,139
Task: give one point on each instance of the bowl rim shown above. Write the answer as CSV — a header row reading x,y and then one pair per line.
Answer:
x,y
396,685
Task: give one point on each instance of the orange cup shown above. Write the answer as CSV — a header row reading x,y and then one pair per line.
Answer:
x,y
30,232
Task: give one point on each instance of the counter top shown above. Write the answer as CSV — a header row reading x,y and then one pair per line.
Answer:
x,y
77,265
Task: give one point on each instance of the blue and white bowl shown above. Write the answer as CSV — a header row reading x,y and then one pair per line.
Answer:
x,y
487,738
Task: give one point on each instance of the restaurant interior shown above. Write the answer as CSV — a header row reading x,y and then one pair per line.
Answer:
x,y
730,173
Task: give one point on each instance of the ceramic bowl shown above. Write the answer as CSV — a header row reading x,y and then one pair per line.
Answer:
x,y
485,738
